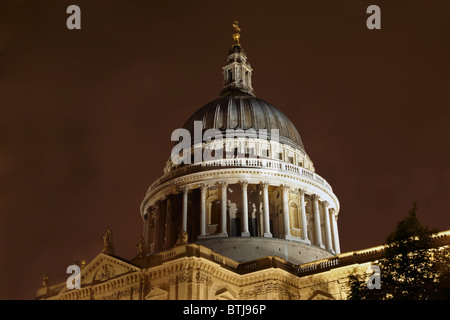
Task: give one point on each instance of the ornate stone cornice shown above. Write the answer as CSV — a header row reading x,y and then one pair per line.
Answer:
x,y
203,278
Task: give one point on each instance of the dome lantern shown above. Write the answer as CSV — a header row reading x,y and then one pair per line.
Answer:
x,y
237,73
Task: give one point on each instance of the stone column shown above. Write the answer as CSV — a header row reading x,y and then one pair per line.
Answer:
x,y
303,214
329,244
152,235
185,191
168,223
265,187
317,226
287,230
223,212
244,217
203,188
156,228
146,225
337,248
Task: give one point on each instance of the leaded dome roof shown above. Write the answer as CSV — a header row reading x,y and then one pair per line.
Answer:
x,y
245,112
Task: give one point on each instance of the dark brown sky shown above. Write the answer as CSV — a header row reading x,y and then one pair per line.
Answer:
x,y
86,115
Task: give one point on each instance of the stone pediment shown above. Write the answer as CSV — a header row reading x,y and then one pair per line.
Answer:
x,y
157,294
225,294
103,268
321,295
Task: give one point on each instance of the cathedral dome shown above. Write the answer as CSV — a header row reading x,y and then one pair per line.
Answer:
x,y
245,188
245,112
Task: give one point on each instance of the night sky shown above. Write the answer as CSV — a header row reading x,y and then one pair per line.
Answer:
x,y
86,115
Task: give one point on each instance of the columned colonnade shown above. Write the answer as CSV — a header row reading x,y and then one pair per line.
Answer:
x,y
322,223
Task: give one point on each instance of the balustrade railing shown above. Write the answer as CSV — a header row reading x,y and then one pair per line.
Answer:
x,y
244,163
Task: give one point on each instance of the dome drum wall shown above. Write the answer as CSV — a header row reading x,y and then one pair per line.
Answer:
x,y
204,209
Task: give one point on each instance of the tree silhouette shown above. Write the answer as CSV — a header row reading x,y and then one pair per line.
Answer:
x,y
411,266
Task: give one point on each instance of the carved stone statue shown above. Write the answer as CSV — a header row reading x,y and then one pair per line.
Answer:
x,y
104,273
182,238
45,281
107,242
254,210
141,248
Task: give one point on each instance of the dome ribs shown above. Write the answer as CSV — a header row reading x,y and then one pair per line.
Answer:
x,y
245,112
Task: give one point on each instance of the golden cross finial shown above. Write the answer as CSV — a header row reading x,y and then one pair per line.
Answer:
x,y
236,27
236,34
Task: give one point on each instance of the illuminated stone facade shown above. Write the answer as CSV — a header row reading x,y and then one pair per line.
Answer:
x,y
194,272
